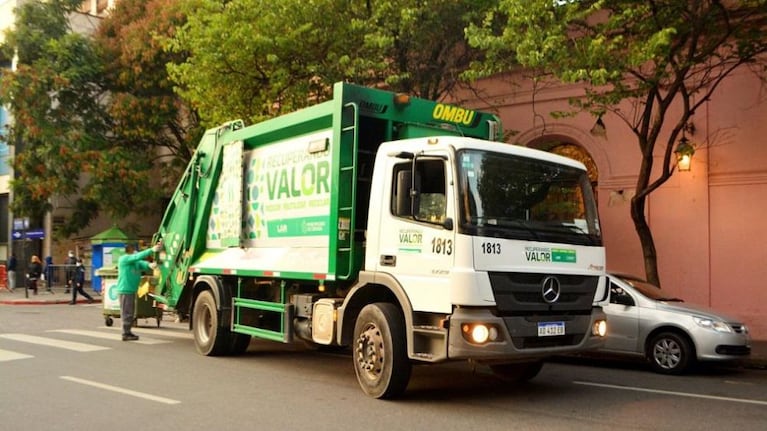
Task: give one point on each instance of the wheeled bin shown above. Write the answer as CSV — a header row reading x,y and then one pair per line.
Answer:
x,y
146,306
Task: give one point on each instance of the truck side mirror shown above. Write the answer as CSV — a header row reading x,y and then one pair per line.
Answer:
x,y
402,206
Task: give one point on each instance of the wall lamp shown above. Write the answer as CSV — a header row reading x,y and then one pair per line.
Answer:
x,y
684,152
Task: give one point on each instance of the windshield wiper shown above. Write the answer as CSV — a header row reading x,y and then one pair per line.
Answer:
x,y
499,222
566,227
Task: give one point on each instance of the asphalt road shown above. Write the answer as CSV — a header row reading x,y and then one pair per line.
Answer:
x,y
62,369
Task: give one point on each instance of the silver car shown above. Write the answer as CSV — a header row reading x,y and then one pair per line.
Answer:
x,y
672,335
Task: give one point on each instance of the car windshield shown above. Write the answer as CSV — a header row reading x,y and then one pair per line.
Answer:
x,y
508,196
649,290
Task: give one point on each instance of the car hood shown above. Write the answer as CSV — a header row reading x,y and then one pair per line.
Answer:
x,y
681,307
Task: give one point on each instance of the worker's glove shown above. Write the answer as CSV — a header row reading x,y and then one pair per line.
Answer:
x,y
152,265
157,247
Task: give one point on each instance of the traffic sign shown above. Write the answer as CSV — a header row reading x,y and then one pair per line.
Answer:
x,y
21,223
36,234
17,234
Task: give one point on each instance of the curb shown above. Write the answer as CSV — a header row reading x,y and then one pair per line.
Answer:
x,y
34,302
46,301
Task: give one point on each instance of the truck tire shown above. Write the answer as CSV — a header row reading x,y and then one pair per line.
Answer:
x,y
208,335
517,372
380,351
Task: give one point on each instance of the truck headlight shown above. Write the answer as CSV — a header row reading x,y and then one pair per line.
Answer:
x,y
600,328
716,325
479,333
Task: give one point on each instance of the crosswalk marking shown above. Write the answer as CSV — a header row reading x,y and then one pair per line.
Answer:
x,y
108,336
52,342
182,334
7,355
149,336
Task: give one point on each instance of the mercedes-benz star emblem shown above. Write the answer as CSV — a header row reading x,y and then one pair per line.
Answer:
x,y
550,289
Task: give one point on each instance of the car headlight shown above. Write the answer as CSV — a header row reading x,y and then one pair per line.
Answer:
x,y
716,325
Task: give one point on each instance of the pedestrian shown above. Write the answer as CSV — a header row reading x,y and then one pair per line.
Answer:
x,y
33,273
12,271
71,263
48,273
78,282
130,267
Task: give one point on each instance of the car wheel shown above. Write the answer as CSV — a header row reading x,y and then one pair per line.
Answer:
x,y
670,353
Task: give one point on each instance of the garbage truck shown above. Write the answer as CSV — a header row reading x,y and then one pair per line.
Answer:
x,y
399,229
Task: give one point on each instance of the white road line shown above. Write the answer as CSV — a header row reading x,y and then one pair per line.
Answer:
x,y
678,394
7,355
52,342
105,336
122,390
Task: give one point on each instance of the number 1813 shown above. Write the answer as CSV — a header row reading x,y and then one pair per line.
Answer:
x,y
491,247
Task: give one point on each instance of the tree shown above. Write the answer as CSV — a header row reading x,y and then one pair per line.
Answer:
x,y
417,47
651,56
255,59
72,153
144,109
53,97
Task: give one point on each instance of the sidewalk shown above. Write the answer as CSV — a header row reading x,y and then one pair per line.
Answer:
x,y
44,297
757,360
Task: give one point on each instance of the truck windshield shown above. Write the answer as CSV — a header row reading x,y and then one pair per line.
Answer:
x,y
507,196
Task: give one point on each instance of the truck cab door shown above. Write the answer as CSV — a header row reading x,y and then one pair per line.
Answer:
x,y
417,239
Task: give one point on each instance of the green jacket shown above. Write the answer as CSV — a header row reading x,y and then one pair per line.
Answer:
x,y
129,270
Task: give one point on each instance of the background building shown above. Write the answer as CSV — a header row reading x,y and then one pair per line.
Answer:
x,y
6,21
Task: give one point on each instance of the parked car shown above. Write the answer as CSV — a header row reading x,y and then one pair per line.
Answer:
x,y
643,321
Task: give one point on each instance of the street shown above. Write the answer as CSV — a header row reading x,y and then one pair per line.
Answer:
x,y
61,368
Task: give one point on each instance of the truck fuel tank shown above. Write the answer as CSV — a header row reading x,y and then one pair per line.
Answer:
x,y
324,320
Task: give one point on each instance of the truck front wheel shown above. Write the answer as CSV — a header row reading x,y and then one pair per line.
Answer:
x,y
380,351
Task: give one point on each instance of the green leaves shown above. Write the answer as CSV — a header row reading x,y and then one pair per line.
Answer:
x,y
255,59
90,114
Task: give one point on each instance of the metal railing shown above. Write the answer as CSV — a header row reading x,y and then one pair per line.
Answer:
x,y
56,277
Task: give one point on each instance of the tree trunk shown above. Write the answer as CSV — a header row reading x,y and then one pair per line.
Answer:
x,y
645,239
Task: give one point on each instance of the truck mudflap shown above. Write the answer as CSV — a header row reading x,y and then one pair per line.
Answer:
x,y
529,339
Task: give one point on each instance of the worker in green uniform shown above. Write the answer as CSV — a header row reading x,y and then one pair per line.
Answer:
x,y
130,267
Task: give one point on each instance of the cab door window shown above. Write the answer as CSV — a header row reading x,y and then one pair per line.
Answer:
x,y
423,196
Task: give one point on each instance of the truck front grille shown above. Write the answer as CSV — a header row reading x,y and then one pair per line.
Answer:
x,y
519,300
521,294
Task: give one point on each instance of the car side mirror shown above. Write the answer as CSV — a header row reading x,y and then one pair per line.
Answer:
x,y
622,299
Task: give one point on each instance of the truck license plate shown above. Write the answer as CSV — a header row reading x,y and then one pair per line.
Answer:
x,y
548,329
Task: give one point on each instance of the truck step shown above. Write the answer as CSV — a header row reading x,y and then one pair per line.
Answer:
x,y
429,343
263,319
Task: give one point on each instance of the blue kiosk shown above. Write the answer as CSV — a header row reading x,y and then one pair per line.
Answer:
x,y
107,247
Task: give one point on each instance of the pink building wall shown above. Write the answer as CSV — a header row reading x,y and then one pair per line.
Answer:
x,y
709,224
